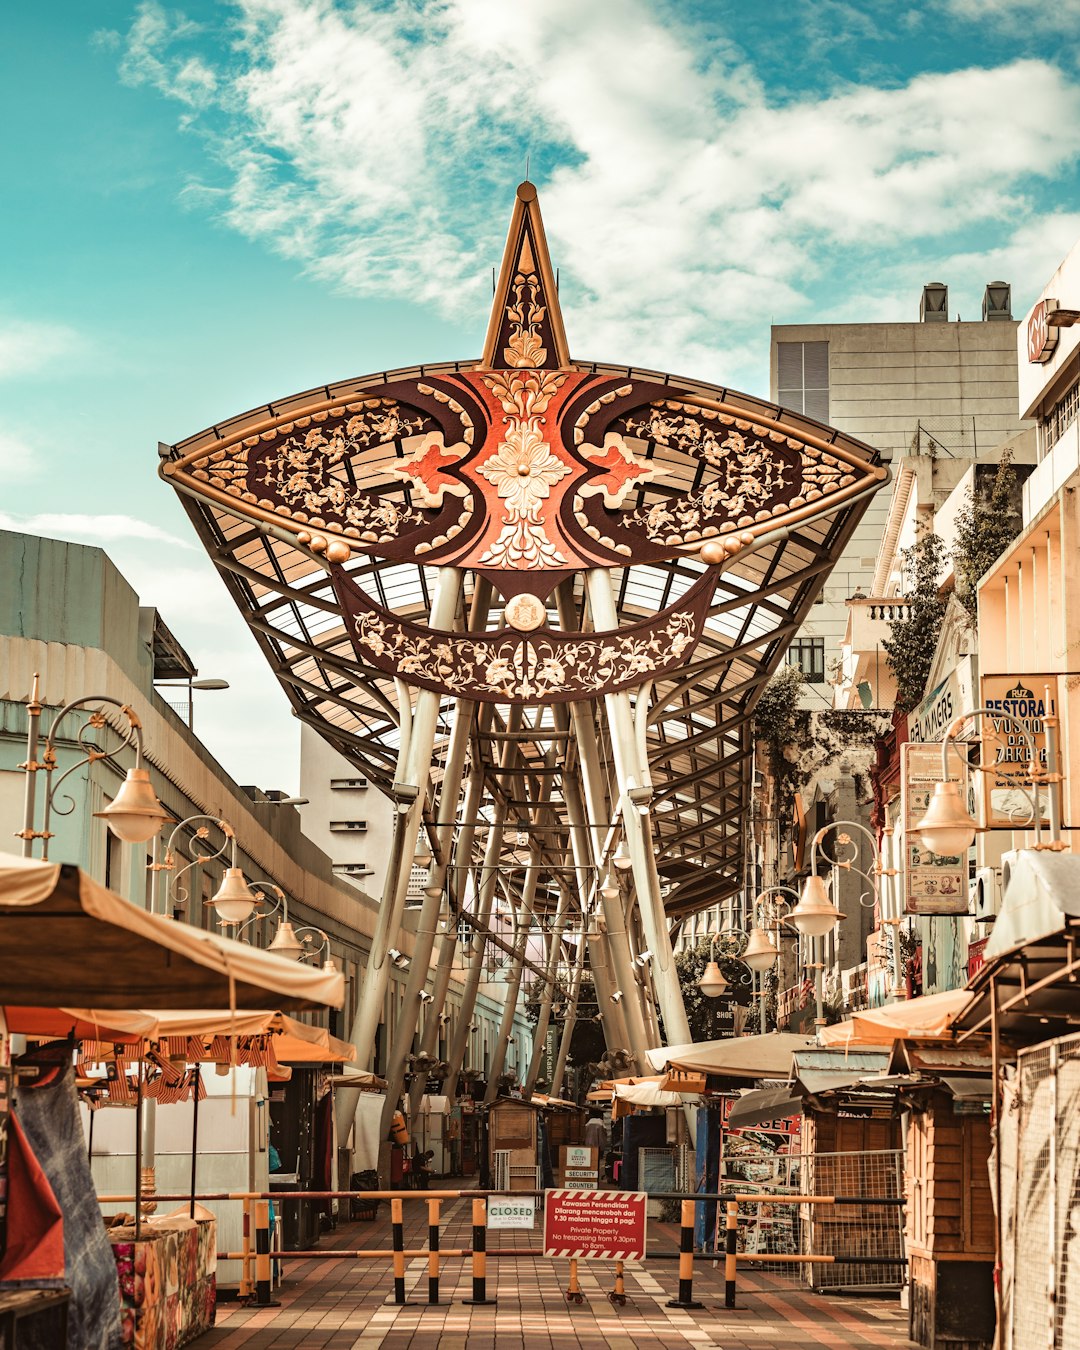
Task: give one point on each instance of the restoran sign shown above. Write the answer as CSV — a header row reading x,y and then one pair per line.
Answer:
x,y
1026,699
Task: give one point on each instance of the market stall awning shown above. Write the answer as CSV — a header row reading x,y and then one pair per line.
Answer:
x,y
763,1104
767,1056
67,941
931,1015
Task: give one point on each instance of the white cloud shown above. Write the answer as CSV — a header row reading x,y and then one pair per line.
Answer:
x,y
377,146
18,459
1017,16
92,529
28,346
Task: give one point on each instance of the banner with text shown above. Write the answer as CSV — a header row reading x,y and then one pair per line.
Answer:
x,y
608,1225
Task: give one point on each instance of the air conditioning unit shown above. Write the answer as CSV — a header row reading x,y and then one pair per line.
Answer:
x,y
986,891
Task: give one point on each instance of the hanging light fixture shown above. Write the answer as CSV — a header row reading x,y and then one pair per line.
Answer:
x,y
760,950
285,942
621,857
815,914
233,899
422,856
947,829
609,884
135,815
712,983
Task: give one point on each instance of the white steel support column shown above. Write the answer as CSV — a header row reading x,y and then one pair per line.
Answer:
x,y
616,1036
571,1019
547,997
427,927
513,984
413,773
632,773
463,848
489,875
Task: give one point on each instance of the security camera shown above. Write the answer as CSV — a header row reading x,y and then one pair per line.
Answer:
x,y
644,958
425,997
616,997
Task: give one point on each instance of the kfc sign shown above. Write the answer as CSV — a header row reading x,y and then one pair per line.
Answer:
x,y
1042,337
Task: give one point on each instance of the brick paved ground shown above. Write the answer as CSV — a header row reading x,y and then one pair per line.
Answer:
x,y
337,1305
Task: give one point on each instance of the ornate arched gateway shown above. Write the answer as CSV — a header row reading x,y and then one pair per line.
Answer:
x,y
534,599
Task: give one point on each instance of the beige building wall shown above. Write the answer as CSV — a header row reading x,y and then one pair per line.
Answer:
x,y
942,389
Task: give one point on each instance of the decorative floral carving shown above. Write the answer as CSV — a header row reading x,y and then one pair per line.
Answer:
x,y
425,470
623,470
523,470
526,312
522,668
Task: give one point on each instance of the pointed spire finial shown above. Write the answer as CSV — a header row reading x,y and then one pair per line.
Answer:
x,y
525,330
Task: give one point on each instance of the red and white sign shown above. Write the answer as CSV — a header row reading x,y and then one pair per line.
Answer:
x,y
1042,337
608,1225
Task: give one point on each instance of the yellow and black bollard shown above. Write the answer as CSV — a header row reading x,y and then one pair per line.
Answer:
x,y
247,1288
433,1251
618,1294
479,1255
686,1260
262,1256
573,1289
731,1261
397,1229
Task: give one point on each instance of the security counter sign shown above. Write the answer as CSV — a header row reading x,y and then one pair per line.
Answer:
x,y
603,1225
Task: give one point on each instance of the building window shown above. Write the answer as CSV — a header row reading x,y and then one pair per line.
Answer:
x,y
353,869
802,378
348,826
348,784
808,653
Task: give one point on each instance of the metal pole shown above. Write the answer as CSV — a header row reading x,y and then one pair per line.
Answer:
x,y
1054,784
570,1023
485,897
547,997
463,848
138,1151
194,1134
424,940
630,773
413,772
33,710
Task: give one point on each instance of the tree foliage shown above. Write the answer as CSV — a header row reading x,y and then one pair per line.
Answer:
x,y
912,641
690,966
986,525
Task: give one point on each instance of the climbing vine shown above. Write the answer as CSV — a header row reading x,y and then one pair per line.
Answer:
x,y
986,525
912,641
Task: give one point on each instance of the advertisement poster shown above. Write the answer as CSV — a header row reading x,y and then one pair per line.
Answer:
x,y
932,884
1007,800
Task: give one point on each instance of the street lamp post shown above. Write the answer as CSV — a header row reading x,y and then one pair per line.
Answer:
x,y
134,815
761,948
233,899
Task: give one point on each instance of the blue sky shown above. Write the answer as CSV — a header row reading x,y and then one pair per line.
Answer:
x,y
213,205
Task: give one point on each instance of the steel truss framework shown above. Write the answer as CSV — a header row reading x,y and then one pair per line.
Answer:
x,y
538,792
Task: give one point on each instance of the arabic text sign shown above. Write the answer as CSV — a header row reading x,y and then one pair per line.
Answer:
x,y
608,1225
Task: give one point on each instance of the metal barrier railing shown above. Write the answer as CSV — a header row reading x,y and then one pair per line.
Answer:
x,y
260,1289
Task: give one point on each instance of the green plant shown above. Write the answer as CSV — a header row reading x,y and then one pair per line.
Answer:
x,y
986,525
700,1011
912,641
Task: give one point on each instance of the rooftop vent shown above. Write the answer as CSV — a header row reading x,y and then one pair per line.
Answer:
x,y
934,305
997,301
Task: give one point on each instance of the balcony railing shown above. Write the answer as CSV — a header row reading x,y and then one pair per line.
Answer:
x,y
870,621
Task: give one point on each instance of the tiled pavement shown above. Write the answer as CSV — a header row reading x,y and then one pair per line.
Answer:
x,y
338,1305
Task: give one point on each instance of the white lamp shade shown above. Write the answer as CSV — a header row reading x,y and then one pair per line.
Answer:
x,y
285,942
815,914
233,899
712,983
135,814
760,951
609,886
947,829
621,857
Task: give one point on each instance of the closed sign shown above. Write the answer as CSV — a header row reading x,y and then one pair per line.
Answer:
x,y
511,1214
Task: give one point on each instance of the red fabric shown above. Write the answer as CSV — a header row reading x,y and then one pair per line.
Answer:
x,y
35,1226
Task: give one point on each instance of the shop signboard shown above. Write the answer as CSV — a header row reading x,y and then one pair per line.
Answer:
x,y
1028,699
931,884
603,1225
953,697
976,956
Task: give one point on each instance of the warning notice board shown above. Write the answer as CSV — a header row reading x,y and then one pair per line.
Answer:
x,y
601,1224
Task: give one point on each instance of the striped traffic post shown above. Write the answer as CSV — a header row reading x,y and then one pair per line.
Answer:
x,y
479,1255
686,1260
247,1288
618,1294
433,1251
397,1229
731,1261
262,1256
